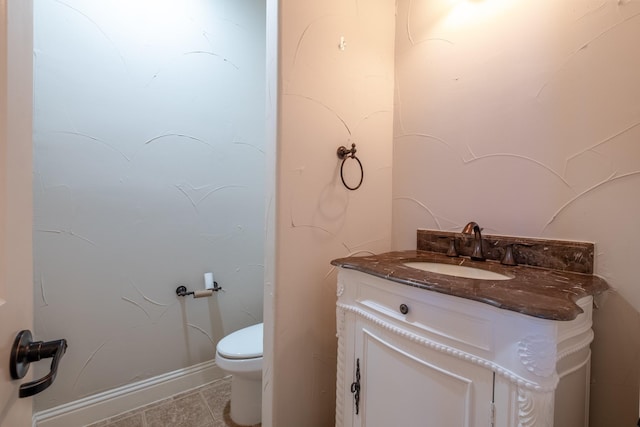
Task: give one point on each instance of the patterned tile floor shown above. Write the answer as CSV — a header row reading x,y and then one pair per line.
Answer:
x,y
206,406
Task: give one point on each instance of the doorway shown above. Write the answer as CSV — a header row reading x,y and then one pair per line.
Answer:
x,y
149,164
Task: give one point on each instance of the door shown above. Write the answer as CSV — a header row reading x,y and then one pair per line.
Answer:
x,y
16,281
407,384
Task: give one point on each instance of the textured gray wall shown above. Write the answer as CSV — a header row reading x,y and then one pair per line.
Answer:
x,y
149,171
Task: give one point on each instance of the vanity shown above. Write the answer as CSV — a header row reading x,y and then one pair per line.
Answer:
x,y
426,339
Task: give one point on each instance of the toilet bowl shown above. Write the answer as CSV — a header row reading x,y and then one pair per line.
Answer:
x,y
240,354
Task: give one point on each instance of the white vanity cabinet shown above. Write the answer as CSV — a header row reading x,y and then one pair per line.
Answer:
x,y
425,358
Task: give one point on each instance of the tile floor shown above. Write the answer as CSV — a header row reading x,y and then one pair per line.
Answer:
x,y
205,406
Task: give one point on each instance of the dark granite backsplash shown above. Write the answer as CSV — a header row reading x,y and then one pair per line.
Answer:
x,y
561,255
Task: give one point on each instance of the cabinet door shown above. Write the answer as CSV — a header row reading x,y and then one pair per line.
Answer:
x,y
404,383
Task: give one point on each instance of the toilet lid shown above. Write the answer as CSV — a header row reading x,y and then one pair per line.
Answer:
x,y
243,344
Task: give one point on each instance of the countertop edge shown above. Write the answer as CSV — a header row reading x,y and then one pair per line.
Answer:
x,y
554,295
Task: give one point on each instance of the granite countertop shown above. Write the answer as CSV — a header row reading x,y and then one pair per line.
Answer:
x,y
534,291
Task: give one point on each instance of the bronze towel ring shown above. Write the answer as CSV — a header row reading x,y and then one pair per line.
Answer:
x,y
344,154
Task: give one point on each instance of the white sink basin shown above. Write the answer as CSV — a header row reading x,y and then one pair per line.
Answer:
x,y
457,270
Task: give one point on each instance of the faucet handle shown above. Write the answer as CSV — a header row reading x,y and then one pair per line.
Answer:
x,y
451,251
508,259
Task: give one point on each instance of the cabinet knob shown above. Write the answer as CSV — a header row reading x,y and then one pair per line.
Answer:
x,y
404,308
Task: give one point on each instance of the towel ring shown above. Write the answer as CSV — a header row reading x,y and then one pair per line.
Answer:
x,y
344,154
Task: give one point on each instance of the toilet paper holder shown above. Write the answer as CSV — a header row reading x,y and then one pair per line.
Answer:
x,y
182,291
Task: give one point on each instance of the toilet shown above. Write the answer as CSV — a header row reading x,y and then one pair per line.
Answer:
x,y
240,354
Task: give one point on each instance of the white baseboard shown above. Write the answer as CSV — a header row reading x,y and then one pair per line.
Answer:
x,y
128,397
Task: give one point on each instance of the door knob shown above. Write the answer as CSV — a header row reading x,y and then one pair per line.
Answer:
x,y
25,351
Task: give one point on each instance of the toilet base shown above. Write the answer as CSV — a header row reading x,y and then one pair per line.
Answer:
x,y
246,401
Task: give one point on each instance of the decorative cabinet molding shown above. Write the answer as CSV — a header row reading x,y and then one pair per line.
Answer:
x,y
340,374
517,360
538,355
535,408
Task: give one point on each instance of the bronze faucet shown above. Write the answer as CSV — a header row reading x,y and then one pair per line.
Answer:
x,y
474,228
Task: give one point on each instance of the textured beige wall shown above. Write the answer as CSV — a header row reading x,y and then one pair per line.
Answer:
x,y
524,116
328,97
149,165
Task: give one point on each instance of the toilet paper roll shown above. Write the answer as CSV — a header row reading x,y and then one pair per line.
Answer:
x,y
203,293
208,280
